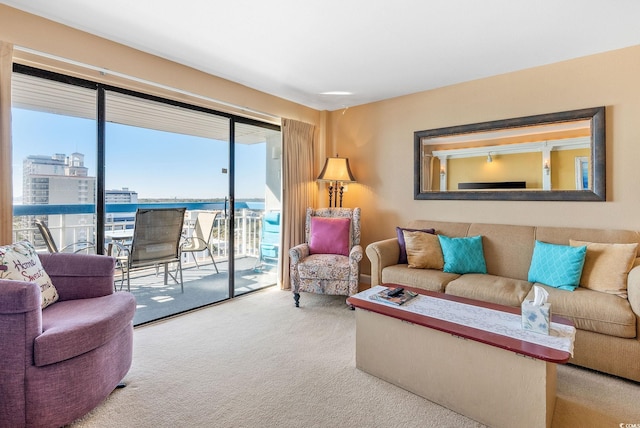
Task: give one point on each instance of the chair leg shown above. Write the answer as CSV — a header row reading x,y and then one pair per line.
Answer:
x,y
180,268
195,259
214,262
296,298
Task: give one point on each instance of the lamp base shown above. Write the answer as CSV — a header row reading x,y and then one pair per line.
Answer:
x,y
331,199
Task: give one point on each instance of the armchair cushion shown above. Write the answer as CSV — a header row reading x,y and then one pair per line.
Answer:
x,y
325,266
20,262
329,235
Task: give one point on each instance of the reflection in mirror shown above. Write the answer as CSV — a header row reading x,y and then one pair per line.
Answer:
x,y
558,156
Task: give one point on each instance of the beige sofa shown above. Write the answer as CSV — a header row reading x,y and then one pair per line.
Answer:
x,y
607,325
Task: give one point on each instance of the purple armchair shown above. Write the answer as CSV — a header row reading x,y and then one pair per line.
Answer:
x,y
58,363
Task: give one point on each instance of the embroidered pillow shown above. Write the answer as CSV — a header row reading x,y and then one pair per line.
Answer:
x,y
558,266
20,262
423,250
463,255
329,235
402,259
606,266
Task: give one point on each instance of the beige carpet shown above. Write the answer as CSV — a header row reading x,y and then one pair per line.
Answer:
x,y
259,362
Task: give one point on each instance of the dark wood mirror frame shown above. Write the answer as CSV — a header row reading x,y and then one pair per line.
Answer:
x,y
598,164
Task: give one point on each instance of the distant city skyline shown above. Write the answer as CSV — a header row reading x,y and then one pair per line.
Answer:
x,y
155,164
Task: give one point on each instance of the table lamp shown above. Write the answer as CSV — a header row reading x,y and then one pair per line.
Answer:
x,y
336,170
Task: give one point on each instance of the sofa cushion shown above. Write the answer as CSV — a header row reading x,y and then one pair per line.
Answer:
x,y
606,266
463,255
329,235
402,258
427,279
423,250
556,265
20,262
507,248
73,327
490,288
324,266
592,310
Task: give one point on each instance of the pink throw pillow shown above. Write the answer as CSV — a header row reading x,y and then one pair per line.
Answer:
x,y
329,235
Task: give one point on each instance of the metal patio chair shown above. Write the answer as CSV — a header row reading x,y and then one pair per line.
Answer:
x,y
200,240
156,241
77,247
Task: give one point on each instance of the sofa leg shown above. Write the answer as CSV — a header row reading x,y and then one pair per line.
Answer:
x,y
296,298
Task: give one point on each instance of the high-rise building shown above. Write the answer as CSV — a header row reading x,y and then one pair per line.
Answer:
x,y
60,180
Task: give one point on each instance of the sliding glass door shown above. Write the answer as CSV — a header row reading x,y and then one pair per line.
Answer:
x,y
160,155
143,152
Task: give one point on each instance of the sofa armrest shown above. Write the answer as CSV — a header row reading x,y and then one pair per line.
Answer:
x,y
382,254
80,276
633,288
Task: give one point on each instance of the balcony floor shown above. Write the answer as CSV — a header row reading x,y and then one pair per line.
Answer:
x,y
202,286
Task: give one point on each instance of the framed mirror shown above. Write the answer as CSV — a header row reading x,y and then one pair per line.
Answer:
x,y
548,157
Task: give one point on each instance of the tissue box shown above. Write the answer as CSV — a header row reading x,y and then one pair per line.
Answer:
x,y
536,317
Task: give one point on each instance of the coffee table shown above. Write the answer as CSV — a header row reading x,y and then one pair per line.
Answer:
x,y
495,379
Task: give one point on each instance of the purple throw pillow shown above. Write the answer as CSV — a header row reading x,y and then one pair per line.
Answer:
x,y
402,259
329,235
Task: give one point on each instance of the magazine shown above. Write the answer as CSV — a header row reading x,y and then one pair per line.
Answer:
x,y
400,299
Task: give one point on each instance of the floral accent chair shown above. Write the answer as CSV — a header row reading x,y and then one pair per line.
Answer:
x,y
329,261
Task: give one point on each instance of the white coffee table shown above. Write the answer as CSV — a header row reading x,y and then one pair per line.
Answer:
x,y
494,379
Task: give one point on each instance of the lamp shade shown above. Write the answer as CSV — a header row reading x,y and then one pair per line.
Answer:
x,y
337,169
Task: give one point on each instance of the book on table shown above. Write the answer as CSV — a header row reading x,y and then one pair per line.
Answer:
x,y
400,299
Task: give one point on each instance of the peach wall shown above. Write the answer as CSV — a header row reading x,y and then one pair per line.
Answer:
x,y
378,139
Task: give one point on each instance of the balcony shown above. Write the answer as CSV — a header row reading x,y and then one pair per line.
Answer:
x,y
202,285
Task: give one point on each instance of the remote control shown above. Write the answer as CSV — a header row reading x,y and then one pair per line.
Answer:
x,y
396,292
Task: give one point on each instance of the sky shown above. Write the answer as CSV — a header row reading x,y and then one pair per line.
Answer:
x,y
156,164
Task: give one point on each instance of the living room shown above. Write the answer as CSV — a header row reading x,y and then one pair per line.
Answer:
x,y
377,137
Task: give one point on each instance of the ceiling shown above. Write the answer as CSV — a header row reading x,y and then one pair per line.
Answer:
x,y
371,50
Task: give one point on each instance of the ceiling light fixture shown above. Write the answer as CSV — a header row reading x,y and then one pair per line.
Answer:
x,y
336,93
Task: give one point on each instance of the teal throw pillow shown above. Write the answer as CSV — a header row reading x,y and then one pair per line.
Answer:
x,y
558,266
463,255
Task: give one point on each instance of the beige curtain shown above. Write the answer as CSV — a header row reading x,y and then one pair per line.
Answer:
x,y
299,188
6,193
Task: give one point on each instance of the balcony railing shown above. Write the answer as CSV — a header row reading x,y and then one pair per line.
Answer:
x,y
74,223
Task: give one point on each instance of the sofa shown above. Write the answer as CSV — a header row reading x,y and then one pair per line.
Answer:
x,y
60,362
607,325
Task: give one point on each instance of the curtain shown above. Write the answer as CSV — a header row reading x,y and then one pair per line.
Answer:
x,y
6,193
299,188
